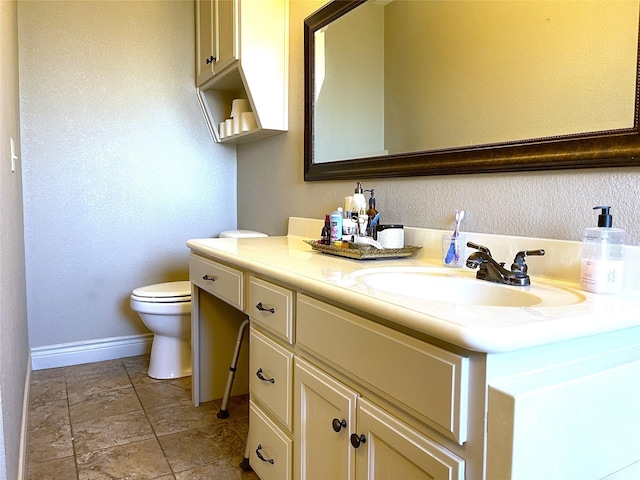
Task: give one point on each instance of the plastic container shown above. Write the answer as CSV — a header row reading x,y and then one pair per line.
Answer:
x,y
602,266
335,219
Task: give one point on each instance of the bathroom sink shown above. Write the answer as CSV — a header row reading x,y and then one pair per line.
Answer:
x,y
460,287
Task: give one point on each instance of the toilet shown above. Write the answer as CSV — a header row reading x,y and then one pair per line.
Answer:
x,y
165,309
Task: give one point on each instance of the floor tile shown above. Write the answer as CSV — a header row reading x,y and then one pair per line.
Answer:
x,y
137,368
103,404
199,447
48,414
138,460
59,469
122,424
50,441
94,378
111,431
168,392
168,419
219,470
49,388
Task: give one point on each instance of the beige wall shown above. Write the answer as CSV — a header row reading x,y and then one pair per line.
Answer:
x,y
546,204
14,349
119,168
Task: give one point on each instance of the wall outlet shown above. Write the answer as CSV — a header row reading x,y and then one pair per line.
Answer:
x,y
14,157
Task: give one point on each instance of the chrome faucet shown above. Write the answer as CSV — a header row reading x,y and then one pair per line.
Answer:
x,y
492,271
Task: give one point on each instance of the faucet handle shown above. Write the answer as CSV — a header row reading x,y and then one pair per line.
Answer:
x,y
482,248
519,266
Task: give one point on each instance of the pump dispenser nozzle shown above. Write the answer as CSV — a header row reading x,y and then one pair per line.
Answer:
x,y
359,188
604,219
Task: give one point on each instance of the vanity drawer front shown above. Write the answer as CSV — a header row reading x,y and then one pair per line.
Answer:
x,y
272,306
270,381
219,280
270,449
431,381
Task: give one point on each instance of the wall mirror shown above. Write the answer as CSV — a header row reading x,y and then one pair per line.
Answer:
x,y
439,87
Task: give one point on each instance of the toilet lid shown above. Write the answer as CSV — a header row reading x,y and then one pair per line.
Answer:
x,y
172,291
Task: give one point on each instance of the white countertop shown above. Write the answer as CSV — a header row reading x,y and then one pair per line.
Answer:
x,y
488,329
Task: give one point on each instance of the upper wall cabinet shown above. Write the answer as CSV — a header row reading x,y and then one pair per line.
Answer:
x,y
242,53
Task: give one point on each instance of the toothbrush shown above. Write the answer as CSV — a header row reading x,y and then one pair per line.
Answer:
x,y
453,253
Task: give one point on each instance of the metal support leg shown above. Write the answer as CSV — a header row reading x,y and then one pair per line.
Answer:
x,y
244,464
224,413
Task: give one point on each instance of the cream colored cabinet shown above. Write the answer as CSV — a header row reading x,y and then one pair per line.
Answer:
x,y
343,436
216,45
333,420
270,308
325,412
242,53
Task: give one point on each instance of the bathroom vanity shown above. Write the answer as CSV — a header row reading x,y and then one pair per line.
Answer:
x,y
354,376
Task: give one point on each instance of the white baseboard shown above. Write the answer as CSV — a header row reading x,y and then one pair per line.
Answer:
x,y
24,429
76,353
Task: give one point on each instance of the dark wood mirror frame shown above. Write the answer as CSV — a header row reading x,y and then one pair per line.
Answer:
x,y
614,148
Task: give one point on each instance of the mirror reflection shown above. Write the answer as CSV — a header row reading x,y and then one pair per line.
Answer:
x,y
399,76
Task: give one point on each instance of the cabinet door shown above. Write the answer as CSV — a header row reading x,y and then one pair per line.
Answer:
x,y
324,420
205,51
390,449
226,33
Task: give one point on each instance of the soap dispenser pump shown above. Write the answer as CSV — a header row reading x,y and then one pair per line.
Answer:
x,y
602,265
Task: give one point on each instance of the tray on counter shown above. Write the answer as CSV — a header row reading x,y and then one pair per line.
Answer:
x,y
362,251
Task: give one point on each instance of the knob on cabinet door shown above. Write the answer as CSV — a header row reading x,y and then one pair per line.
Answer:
x,y
356,439
338,425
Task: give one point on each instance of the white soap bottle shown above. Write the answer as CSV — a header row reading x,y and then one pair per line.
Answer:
x,y
602,266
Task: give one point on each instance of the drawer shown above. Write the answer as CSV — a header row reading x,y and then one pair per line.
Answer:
x,y
270,381
269,447
272,306
431,381
221,281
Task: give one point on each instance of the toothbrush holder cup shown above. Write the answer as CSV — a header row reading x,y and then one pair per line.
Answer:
x,y
454,250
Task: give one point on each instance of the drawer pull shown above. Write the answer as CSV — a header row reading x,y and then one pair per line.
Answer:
x,y
268,460
338,424
356,440
211,278
263,309
263,378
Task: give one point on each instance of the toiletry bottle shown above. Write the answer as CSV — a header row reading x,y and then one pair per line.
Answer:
x,y
372,213
602,256
325,235
336,225
358,202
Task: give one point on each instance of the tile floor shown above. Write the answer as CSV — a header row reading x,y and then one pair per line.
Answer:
x,y
109,420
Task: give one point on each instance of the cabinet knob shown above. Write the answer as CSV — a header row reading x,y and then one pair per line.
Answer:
x,y
338,424
210,60
263,378
211,278
264,309
261,457
356,439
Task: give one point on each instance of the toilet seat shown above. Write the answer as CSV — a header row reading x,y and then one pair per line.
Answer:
x,y
170,292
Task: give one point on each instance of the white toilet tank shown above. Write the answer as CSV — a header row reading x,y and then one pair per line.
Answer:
x,y
242,234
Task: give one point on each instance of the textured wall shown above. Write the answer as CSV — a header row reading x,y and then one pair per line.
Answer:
x,y
547,204
14,351
119,169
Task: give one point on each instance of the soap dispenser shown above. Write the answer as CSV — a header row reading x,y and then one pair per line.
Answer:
x,y
358,201
602,266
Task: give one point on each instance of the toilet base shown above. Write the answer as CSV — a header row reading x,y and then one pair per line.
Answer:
x,y
170,358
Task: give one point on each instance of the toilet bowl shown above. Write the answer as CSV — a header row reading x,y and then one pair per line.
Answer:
x,y
165,309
